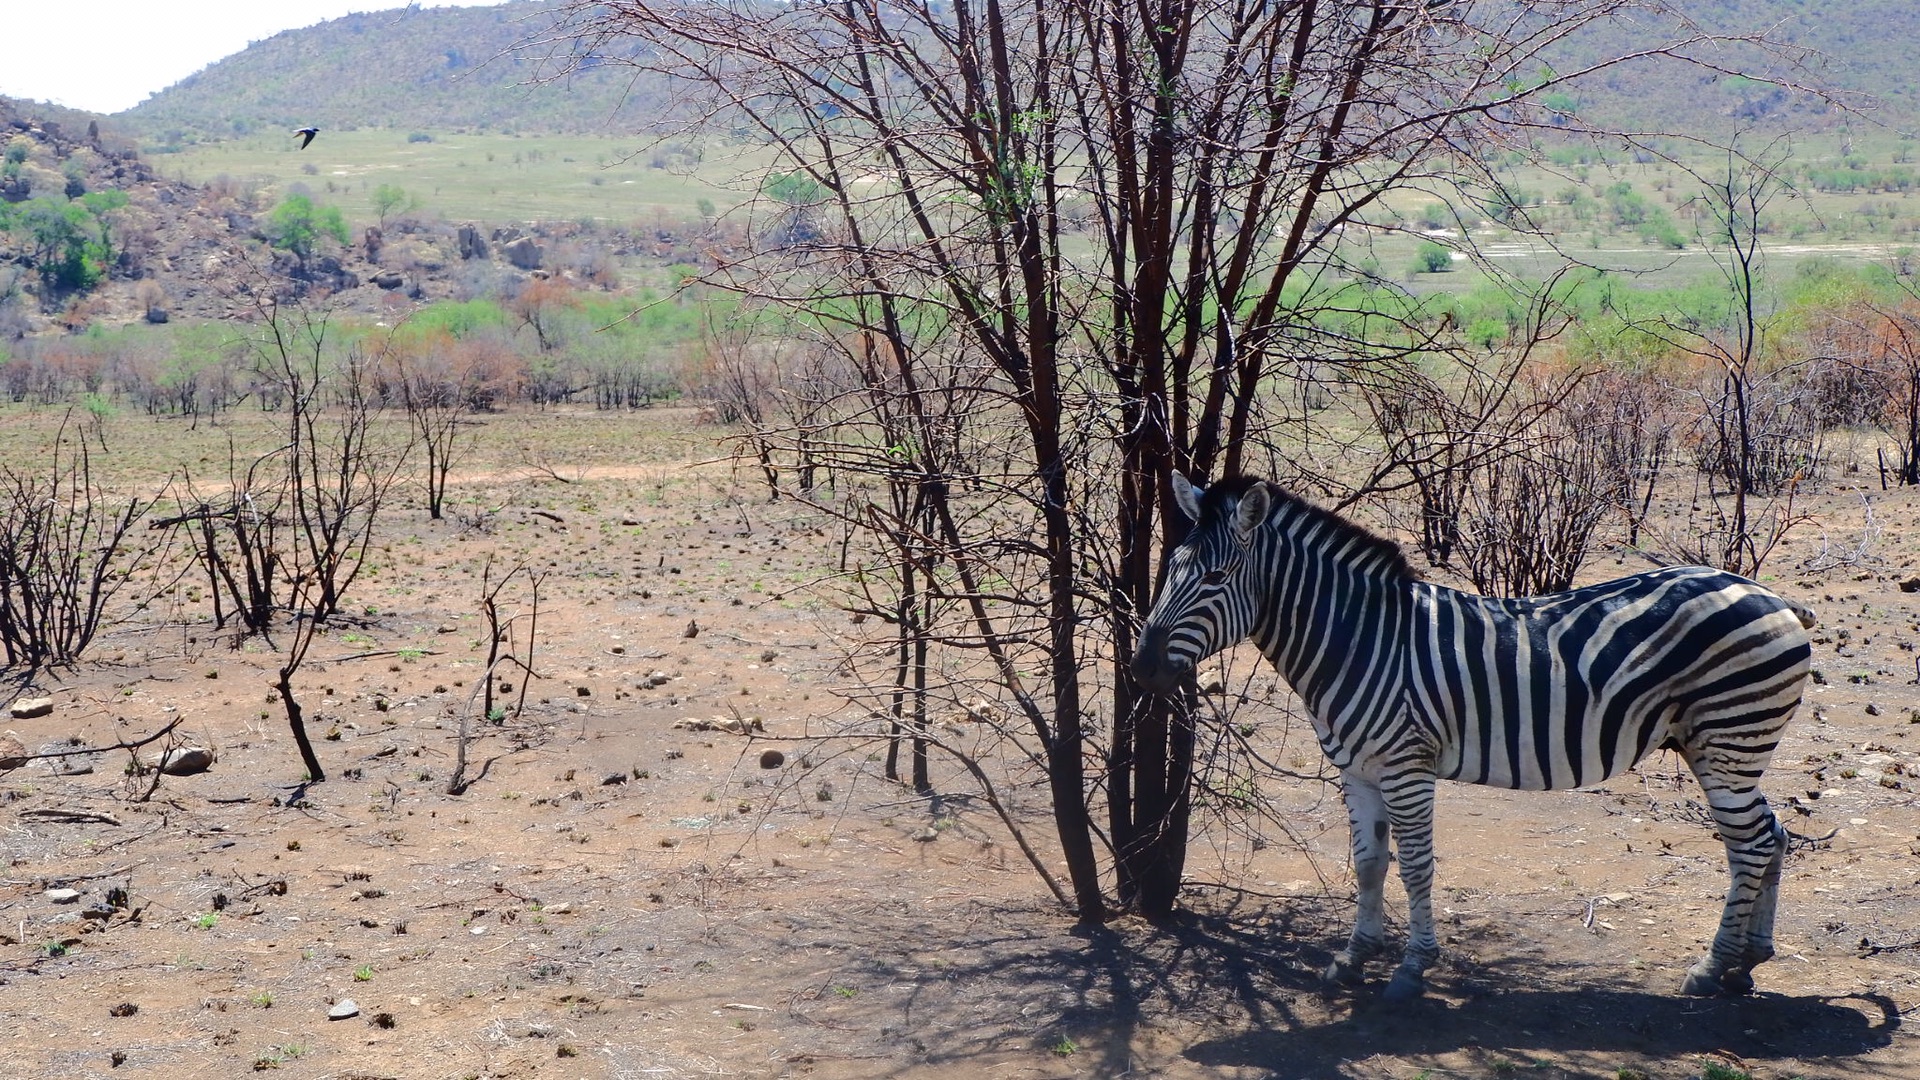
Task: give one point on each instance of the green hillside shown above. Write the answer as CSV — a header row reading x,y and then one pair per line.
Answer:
x,y
1859,51
478,69
438,69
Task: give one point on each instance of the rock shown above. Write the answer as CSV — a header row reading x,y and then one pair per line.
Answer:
x,y
927,835
344,1009
125,1008
772,759
732,725
1911,584
472,244
389,279
523,253
62,896
157,315
34,708
185,761
692,631
12,753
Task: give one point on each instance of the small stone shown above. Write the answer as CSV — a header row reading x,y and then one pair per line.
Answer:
x,y
613,778
692,631
1911,584
62,896
186,761
772,759
33,708
560,908
344,1009
1873,709
125,1008
446,628
927,835
583,691
13,753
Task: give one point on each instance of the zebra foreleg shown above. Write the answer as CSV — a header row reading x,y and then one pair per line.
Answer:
x,y
1411,805
1367,821
1756,850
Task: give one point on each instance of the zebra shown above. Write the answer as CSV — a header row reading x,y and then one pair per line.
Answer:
x,y
1408,682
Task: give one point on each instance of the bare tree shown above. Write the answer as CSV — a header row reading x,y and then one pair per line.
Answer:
x,y
1131,220
1758,439
339,467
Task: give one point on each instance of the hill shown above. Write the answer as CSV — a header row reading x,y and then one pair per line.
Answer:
x,y
464,68
1857,52
481,69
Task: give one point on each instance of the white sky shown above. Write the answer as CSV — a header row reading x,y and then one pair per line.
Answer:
x,y
109,55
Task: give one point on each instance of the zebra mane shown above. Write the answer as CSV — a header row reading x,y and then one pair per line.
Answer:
x,y
1224,494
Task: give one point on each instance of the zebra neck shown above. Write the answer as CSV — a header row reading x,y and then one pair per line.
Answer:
x,y
1334,624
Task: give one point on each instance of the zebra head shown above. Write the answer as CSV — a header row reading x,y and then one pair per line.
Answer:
x,y
1208,599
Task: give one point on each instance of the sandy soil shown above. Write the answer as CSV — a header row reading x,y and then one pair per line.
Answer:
x,y
619,896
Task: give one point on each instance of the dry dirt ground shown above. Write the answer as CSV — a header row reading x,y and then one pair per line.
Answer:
x,y
620,897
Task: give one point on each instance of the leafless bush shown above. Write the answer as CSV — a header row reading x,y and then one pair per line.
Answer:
x,y
502,630
65,554
1533,512
236,538
1761,427
1513,472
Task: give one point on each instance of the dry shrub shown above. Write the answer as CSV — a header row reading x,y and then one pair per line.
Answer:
x,y
1514,473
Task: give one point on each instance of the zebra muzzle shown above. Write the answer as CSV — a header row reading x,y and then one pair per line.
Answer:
x,y
1153,667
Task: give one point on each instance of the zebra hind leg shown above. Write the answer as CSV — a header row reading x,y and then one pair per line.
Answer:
x,y
1756,849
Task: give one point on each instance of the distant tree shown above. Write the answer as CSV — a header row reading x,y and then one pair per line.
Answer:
x,y
296,225
1432,258
64,241
393,199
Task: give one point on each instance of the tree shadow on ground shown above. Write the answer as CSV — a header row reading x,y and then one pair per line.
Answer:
x,y
1254,966
1624,1023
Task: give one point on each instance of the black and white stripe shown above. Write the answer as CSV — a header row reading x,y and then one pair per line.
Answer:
x,y
1408,682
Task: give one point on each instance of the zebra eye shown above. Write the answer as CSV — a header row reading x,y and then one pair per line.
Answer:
x,y
1214,577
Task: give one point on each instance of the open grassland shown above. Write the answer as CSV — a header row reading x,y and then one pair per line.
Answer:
x,y
496,179
1842,198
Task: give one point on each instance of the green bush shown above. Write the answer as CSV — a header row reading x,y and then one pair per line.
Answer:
x,y
1432,258
296,225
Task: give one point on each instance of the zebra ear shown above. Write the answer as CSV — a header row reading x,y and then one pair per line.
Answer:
x,y
1186,496
1252,512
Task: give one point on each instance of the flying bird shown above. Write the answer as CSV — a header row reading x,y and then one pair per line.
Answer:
x,y
306,135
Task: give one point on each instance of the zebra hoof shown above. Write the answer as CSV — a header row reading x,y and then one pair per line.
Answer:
x,y
1344,971
1703,981
1404,986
